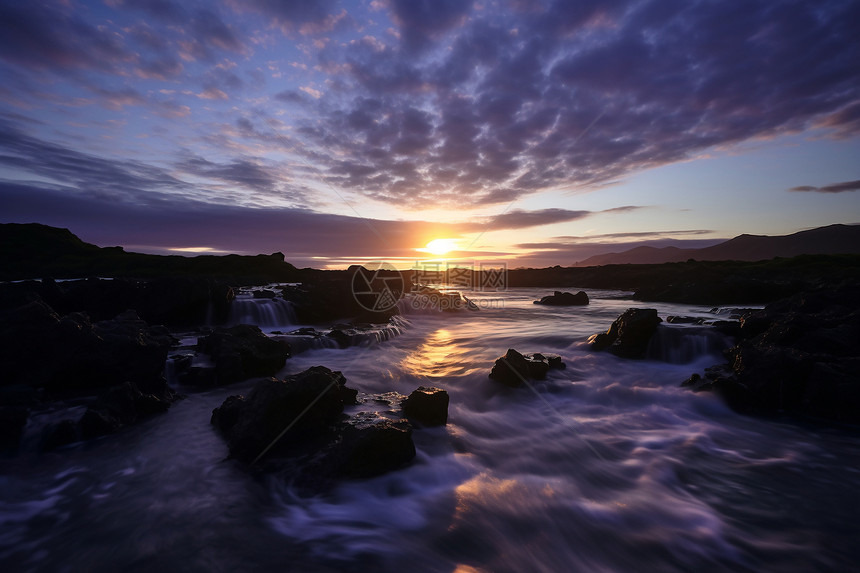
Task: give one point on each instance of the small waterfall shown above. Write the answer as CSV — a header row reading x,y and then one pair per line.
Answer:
x,y
684,344
263,312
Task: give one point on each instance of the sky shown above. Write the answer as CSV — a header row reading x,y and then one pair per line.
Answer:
x,y
536,133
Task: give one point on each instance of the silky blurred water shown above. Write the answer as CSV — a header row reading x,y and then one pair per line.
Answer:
x,y
605,466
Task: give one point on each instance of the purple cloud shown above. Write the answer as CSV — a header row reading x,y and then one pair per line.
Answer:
x,y
832,188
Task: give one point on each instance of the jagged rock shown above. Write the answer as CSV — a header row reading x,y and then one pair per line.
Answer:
x,y
629,334
559,298
241,352
514,369
264,293
427,406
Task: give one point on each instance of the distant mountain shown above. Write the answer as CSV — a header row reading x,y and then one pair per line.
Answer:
x,y
830,240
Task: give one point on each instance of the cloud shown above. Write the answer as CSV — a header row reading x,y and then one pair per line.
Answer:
x,y
832,188
578,96
54,39
422,22
519,219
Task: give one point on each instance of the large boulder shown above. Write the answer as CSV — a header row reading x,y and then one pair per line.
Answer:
x,y
309,403
515,369
629,334
241,352
298,423
559,298
427,406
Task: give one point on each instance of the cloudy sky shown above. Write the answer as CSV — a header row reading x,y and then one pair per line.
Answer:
x,y
338,131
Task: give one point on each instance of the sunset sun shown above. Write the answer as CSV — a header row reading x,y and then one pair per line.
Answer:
x,y
440,247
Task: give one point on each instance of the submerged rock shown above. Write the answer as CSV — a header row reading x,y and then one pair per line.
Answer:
x,y
515,369
559,298
427,406
629,334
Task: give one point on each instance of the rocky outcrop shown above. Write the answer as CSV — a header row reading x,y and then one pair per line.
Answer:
x,y
238,353
71,353
798,356
176,301
559,298
427,406
301,418
629,334
50,357
515,369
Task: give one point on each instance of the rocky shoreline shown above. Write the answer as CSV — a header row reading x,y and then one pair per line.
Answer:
x,y
79,343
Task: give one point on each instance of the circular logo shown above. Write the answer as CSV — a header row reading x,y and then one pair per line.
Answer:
x,y
377,286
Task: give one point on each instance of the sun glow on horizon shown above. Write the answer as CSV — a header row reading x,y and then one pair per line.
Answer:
x,y
439,247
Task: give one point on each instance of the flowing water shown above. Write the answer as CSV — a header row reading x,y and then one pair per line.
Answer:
x,y
605,466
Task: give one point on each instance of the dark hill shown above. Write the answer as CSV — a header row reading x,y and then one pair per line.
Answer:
x,y
32,250
830,240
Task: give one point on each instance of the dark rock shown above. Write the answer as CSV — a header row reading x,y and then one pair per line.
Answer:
x,y
74,354
298,423
798,356
122,406
629,334
514,369
368,450
265,293
12,422
60,434
427,406
559,298
310,403
242,352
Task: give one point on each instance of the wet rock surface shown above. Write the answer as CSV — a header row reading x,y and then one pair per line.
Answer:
x,y
427,406
629,334
237,353
298,425
799,356
515,369
559,298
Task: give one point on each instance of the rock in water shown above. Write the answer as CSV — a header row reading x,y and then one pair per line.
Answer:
x,y
312,401
242,352
514,369
427,406
629,334
559,298
798,356
326,444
